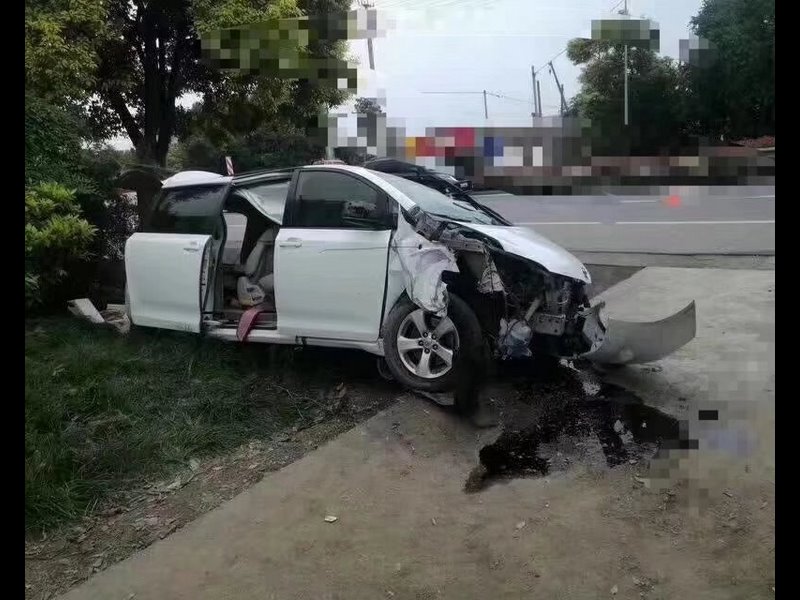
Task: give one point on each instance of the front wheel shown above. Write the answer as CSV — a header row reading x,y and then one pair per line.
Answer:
x,y
427,352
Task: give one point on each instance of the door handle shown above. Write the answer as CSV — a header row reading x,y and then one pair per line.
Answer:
x,y
291,243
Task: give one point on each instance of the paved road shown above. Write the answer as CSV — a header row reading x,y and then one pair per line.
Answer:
x,y
677,220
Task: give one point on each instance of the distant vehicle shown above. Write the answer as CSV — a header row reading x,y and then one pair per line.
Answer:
x,y
441,182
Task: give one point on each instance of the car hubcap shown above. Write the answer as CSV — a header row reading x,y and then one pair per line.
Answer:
x,y
427,344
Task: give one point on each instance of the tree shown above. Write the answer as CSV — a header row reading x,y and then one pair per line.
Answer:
x,y
735,97
367,106
127,62
655,97
61,38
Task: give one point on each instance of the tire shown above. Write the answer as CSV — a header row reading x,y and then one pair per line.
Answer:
x,y
405,345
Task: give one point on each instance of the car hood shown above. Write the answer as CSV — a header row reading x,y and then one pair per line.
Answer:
x,y
526,243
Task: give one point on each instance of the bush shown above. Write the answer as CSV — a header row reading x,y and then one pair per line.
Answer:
x,y
56,238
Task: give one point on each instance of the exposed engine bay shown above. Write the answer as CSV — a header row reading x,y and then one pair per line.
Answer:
x,y
524,308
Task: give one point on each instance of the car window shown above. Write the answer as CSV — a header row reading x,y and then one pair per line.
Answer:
x,y
438,204
335,200
270,196
187,210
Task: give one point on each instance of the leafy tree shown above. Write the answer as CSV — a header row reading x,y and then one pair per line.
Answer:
x,y
655,97
126,62
61,38
735,96
367,106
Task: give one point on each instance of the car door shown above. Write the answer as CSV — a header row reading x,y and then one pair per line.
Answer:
x,y
168,265
331,257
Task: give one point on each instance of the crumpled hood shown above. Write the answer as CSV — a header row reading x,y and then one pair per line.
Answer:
x,y
526,243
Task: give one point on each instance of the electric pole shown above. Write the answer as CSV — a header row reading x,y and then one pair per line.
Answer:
x,y
485,106
624,12
366,5
560,89
535,103
539,97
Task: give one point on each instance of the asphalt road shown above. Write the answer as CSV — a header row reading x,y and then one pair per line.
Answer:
x,y
677,220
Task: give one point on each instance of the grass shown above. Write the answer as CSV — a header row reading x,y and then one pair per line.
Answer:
x,y
103,411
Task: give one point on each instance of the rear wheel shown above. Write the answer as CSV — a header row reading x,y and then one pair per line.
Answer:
x,y
427,352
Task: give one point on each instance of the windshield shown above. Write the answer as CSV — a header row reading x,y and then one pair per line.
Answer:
x,y
439,205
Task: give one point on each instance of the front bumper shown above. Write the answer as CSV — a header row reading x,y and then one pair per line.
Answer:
x,y
625,342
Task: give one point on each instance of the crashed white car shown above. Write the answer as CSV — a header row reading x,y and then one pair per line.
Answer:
x,y
341,256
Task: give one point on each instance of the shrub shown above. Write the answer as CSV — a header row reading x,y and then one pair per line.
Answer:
x,y
56,238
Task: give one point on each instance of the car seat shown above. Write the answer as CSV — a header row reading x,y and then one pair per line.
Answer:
x,y
257,281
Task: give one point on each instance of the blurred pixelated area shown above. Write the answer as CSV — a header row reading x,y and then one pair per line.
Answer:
x,y
641,33
554,156
697,51
279,47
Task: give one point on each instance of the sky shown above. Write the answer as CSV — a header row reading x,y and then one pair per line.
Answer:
x,y
475,45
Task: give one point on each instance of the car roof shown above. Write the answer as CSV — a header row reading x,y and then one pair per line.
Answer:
x,y
185,178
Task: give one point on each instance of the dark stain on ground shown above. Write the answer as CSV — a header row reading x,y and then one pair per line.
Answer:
x,y
554,415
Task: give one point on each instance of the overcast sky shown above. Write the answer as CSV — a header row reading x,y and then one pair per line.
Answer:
x,y
472,45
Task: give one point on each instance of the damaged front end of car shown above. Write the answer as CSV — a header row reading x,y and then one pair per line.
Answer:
x,y
524,308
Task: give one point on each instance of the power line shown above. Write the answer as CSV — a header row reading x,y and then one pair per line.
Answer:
x,y
547,63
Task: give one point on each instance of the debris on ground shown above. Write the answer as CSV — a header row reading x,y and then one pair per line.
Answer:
x,y
331,519
115,315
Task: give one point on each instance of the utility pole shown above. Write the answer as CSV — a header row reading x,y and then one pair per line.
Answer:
x,y
535,103
366,5
539,97
624,11
560,88
485,106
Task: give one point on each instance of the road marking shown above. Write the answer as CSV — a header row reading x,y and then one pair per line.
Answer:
x,y
636,201
694,222
772,222
563,223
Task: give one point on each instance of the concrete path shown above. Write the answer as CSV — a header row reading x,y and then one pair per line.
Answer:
x,y
406,529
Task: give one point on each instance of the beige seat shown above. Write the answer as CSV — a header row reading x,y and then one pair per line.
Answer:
x,y
257,282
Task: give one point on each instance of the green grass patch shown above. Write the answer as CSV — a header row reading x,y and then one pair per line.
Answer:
x,y
102,410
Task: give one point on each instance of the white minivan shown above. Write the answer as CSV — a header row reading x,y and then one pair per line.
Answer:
x,y
342,256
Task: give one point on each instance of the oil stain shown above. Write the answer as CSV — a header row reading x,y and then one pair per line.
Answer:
x,y
553,419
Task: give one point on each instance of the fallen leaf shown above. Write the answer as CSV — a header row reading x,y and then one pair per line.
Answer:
x,y
331,519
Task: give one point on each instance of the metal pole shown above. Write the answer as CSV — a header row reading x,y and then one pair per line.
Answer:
x,y
367,6
485,106
626,84
625,67
535,103
539,97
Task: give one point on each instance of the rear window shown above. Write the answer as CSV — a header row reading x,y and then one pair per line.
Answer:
x,y
187,210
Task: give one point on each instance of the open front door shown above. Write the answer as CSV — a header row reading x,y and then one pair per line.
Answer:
x,y
167,274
